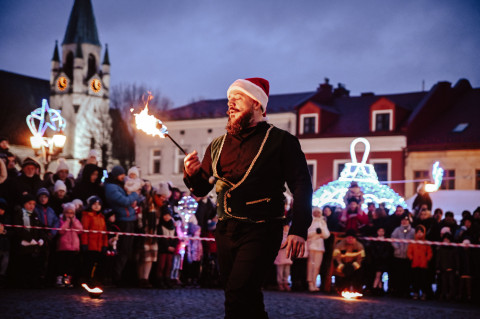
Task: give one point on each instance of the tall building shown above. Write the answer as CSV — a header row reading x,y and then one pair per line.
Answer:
x,y
80,86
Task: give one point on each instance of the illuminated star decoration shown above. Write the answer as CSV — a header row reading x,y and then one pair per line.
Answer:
x,y
48,118
332,194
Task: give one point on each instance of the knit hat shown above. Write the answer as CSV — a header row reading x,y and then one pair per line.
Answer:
x,y
421,228
444,230
134,170
256,88
43,191
68,206
93,153
164,189
27,197
77,202
62,165
30,161
117,171
59,185
92,200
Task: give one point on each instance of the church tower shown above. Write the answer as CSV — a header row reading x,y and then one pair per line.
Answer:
x,y
80,87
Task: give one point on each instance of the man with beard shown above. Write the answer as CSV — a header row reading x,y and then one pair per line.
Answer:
x,y
249,166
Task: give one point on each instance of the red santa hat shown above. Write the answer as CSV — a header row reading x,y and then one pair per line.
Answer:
x,y
256,88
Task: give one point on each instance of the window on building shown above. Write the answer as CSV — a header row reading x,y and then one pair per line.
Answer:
x,y
419,177
156,161
477,179
382,122
382,171
448,181
68,67
179,156
309,125
92,66
340,168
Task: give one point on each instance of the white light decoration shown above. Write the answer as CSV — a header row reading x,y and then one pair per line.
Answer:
x,y
187,206
47,118
364,174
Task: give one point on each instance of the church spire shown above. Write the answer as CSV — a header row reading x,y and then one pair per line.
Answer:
x,y
56,56
106,59
81,25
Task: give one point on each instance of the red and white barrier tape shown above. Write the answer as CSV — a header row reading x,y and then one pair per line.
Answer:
x,y
111,232
391,240
424,242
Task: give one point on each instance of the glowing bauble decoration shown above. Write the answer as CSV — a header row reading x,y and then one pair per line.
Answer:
x,y
187,206
41,119
364,174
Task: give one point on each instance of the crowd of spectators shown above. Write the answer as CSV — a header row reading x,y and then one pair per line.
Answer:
x,y
338,244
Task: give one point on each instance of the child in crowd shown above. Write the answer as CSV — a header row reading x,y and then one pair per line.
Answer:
x,y
283,263
194,252
59,197
419,255
133,182
317,232
447,266
111,252
68,246
45,213
94,245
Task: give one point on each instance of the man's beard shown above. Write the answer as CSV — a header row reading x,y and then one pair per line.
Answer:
x,y
234,127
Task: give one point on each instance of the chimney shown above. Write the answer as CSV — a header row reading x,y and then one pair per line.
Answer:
x,y
324,90
341,91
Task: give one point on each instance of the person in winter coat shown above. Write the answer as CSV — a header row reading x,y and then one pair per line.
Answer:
x,y
353,217
400,278
283,263
93,245
420,255
29,246
68,246
45,213
89,184
123,206
28,182
317,232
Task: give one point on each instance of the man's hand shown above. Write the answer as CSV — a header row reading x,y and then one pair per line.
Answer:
x,y
295,246
192,163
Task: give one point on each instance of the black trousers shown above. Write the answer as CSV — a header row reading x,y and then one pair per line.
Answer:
x,y
124,249
245,253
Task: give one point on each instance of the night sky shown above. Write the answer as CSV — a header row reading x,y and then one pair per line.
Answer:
x,y
193,49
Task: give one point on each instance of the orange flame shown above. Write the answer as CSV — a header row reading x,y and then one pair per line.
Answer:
x,y
149,123
351,295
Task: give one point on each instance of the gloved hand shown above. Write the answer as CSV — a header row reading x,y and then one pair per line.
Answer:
x,y
340,267
25,243
33,242
40,242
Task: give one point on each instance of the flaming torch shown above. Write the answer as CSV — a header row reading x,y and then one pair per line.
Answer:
x,y
151,125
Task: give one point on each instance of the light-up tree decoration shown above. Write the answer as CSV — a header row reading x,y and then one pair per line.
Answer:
x,y
39,121
364,174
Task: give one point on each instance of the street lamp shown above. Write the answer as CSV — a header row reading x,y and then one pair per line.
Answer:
x,y
47,119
